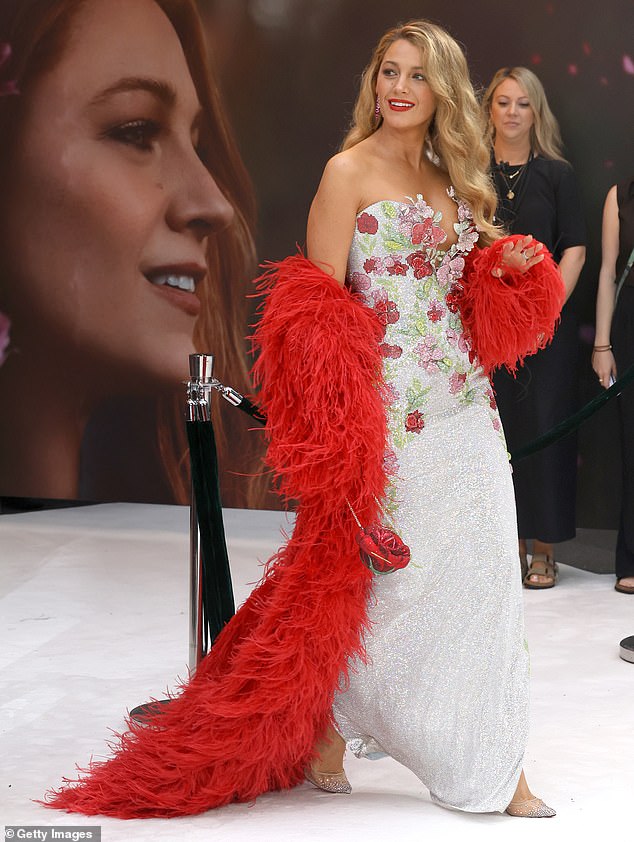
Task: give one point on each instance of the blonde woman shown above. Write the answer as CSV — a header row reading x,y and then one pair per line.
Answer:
x,y
397,212
537,194
378,408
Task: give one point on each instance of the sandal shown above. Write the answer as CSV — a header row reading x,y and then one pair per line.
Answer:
x,y
622,588
544,566
523,565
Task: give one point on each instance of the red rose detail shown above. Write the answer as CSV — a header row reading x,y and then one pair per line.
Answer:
x,y
367,224
382,550
415,421
387,312
420,264
370,265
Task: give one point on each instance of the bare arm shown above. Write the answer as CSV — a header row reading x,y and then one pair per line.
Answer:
x,y
570,266
603,361
332,216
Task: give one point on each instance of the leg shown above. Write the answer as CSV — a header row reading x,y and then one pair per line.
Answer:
x,y
526,805
327,771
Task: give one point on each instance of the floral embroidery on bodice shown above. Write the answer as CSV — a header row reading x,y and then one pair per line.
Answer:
x,y
400,266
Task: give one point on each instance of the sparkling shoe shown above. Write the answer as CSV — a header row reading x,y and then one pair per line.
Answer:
x,y
329,781
531,808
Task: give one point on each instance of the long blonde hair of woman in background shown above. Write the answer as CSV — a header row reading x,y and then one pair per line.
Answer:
x,y
456,134
545,137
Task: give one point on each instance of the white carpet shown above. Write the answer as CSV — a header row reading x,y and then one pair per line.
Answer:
x,y
94,619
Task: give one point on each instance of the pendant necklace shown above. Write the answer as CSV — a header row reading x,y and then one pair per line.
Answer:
x,y
507,176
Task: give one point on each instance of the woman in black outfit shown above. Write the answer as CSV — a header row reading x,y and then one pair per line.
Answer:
x,y
615,325
537,194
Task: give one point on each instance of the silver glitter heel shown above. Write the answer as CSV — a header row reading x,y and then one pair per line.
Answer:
x,y
531,808
329,781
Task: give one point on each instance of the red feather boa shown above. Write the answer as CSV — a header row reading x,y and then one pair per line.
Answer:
x,y
248,719
509,318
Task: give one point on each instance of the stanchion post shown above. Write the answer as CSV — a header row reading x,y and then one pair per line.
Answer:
x,y
198,409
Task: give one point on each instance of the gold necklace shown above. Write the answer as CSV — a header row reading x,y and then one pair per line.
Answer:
x,y
510,192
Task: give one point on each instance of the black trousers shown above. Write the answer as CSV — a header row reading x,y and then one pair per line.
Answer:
x,y
623,348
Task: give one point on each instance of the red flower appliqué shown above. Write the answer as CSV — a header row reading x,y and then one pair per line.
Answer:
x,y
395,266
415,421
428,233
420,264
373,264
387,312
367,224
452,299
435,312
381,549
390,352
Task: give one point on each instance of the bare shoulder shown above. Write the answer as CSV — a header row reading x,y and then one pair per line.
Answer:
x,y
343,169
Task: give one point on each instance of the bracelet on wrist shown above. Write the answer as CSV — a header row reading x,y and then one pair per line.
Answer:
x,y
601,348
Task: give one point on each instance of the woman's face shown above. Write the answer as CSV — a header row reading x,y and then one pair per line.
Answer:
x,y
108,207
405,98
511,112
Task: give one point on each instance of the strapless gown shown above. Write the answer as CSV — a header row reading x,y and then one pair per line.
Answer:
x,y
445,687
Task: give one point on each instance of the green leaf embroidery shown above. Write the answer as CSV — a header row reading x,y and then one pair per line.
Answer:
x,y
388,209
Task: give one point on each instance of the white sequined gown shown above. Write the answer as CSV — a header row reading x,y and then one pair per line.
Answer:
x,y
445,691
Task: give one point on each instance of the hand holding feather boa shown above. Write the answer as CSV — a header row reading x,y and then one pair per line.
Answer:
x,y
247,721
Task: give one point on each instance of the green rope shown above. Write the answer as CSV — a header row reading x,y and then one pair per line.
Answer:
x,y
575,421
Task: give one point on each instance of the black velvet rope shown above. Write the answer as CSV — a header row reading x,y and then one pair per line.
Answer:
x,y
562,429
573,423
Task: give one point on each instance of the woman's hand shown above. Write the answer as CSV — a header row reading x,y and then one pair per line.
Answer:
x,y
519,255
604,366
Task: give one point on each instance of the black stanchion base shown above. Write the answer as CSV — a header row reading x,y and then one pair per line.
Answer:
x,y
142,714
627,649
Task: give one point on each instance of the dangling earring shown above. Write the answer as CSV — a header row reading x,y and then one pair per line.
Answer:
x,y
377,109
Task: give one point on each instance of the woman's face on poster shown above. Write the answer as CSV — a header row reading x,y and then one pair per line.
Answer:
x,y
108,206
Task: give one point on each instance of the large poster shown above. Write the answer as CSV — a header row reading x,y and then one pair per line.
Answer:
x,y
90,388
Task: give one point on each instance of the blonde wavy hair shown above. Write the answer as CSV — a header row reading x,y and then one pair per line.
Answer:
x,y
456,133
545,137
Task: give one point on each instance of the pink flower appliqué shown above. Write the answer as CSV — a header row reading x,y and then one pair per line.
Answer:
x,y
429,354
367,224
450,270
456,382
414,422
4,336
467,239
436,311
455,338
